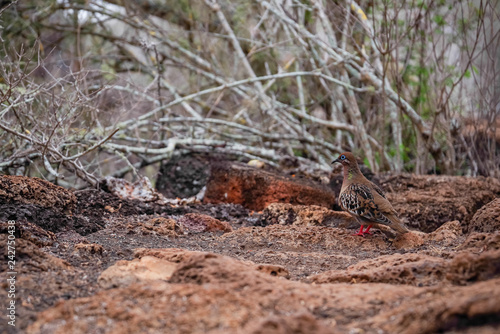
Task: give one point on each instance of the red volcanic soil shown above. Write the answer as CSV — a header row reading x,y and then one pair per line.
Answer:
x,y
263,253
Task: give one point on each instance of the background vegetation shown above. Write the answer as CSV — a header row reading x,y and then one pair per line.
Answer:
x,y
92,87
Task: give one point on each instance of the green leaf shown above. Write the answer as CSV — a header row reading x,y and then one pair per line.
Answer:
x,y
467,74
371,89
439,20
298,153
366,162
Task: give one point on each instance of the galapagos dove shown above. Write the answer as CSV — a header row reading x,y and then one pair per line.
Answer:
x,y
364,200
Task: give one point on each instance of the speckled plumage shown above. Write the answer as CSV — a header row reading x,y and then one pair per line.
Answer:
x,y
364,200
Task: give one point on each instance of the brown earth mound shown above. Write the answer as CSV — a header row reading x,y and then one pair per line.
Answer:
x,y
32,190
419,270
426,202
486,219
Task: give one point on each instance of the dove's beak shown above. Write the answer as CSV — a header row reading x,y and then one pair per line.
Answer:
x,y
336,160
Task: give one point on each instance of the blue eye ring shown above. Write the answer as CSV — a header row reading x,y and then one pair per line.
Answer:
x,y
342,157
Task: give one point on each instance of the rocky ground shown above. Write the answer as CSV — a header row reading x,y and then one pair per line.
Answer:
x,y
277,259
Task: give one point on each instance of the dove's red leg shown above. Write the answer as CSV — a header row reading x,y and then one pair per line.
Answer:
x,y
367,229
360,233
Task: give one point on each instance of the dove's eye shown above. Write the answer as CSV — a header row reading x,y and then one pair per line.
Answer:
x,y
342,157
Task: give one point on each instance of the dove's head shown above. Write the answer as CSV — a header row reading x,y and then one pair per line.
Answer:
x,y
346,159
351,168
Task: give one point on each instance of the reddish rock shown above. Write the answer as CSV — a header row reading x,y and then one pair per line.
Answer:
x,y
163,226
197,223
448,309
217,308
416,269
32,190
41,280
426,202
203,268
300,323
30,257
412,269
479,242
145,269
222,294
175,255
308,215
176,265
273,270
446,234
209,293
486,219
466,267
31,232
256,188
89,249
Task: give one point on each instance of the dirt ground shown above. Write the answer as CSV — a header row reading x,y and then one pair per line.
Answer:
x,y
103,264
